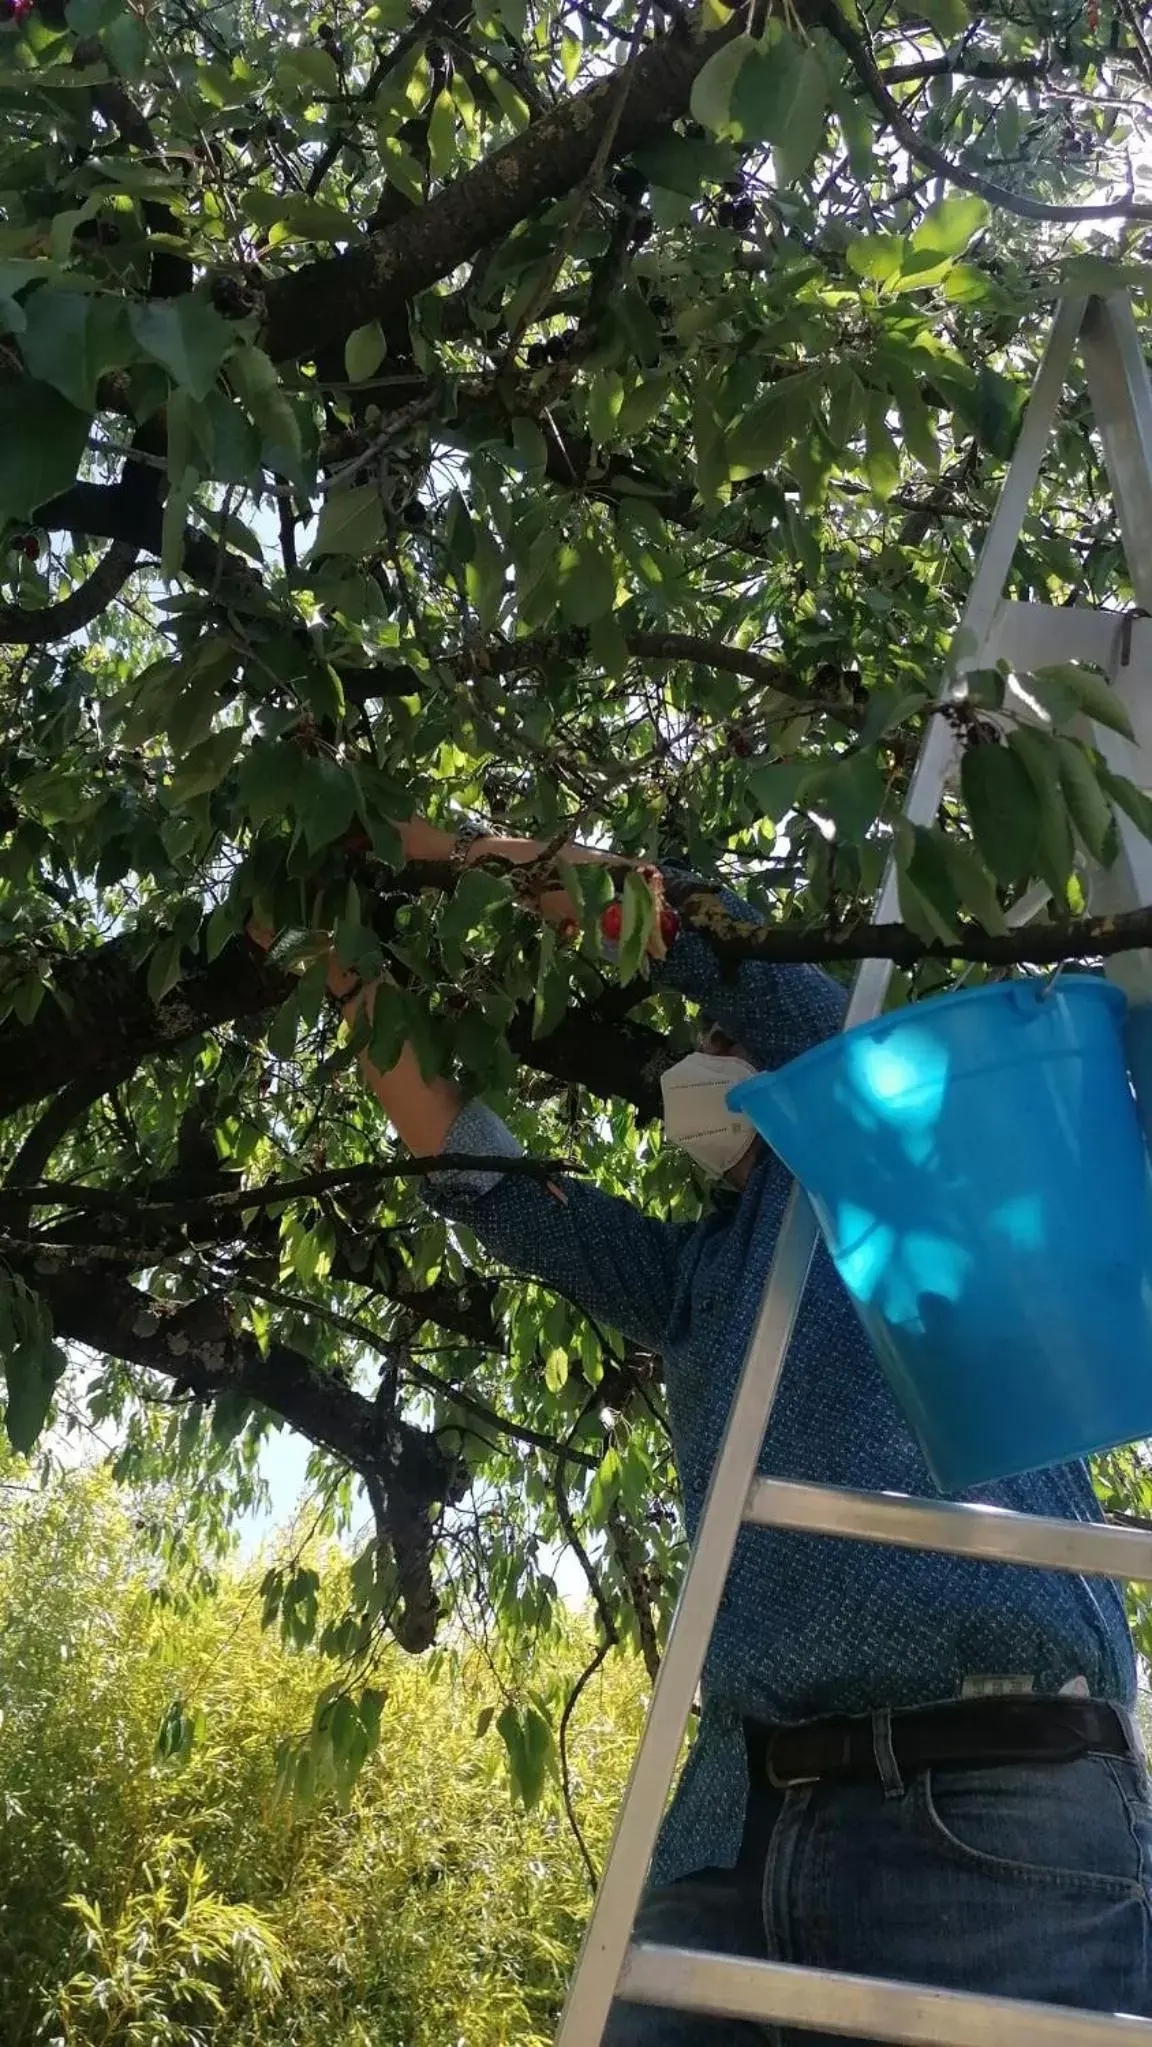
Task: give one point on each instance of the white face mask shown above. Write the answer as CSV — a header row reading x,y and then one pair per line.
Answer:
x,y
696,1114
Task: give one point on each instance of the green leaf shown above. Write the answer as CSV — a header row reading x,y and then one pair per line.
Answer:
x,y
638,912
887,709
70,338
484,1719
42,438
714,84
32,1372
126,41
916,427
682,163
991,407
472,901
177,505
948,17
586,575
206,766
777,786
1088,806
293,216
364,351
556,1369
949,226
186,335
221,928
326,800
761,95
972,883
1003,810
876,257
807,113
1055,851
228,443
924,888
881,455
530,445
253,376
351,522
165,968
484,576
528,1742
306,68
851,791
442,135
1086,690
605,399
1135,803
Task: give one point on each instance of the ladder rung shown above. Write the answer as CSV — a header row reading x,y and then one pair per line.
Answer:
x,y
1091,1549
863,2007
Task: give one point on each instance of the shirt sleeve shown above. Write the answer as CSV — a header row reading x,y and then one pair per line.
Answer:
x,y
776,1012
620,1266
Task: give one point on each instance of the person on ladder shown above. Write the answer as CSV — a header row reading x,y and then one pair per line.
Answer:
x,y
908,1764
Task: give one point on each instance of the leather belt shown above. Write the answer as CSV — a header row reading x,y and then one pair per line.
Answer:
x,y
961,1733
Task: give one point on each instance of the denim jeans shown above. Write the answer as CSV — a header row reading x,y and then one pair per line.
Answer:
x,y
1028,1882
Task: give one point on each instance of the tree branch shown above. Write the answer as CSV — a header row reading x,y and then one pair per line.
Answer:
x,y
794,943
853,44
33,628
106,1022
196,1345
322,302
157,1204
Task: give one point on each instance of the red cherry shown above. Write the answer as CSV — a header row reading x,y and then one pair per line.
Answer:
x,y
356,841
669,924
611,922
32,548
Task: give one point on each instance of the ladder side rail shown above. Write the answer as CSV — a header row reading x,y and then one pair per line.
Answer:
x,y
637,1823
609,1931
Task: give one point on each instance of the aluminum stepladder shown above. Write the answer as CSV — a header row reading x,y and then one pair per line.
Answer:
x,y
1025,635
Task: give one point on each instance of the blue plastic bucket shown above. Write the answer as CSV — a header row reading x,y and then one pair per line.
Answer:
x,y
978,1168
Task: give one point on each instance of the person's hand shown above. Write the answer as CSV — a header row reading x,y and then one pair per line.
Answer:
x,y
665,921
341,981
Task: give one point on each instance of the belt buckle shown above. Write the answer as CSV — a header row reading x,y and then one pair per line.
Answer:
x,y
789,1783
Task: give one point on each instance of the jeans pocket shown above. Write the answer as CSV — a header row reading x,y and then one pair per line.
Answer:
x,y
1075,1827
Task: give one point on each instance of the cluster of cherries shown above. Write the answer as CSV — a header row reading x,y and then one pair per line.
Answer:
x,y
15,11
24,543
612,922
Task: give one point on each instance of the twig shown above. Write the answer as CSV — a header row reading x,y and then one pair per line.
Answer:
x,y
570,1705
107,1200
828,14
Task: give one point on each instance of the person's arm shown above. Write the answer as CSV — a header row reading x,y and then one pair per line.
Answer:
x,y
618,1265
775,1012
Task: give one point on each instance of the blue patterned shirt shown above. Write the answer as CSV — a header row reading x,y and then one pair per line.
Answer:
x,y
808,1625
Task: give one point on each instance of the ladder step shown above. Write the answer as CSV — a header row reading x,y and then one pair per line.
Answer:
x,y
862,2007
1091,1549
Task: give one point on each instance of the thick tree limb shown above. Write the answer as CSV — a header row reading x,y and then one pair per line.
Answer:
x,y
27,628
323,301
109,511
110,1021
107,1022
406,1472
